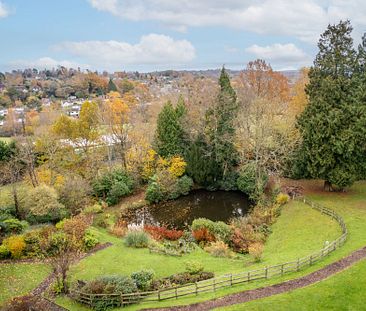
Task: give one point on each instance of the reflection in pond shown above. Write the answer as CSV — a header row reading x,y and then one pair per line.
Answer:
x,y
215,205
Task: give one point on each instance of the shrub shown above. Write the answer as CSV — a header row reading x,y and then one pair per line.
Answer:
x,y
76,226
112,186
56,242
203,236
218,229
110,284
75,194
13,225
138,239
89,240
256,250
160,233
101,221
183,186
25,303
15,244
282,198
177,166
41,205
180,279
118,231
165,186
34,244
248,183
4,252
154,193
238,242
93,209
143,278
229,183
193,267
219,249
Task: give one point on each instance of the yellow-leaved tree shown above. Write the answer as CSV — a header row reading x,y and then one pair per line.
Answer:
x,y
117,117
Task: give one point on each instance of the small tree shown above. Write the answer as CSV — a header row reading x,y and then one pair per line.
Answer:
x,y
61,261
41,204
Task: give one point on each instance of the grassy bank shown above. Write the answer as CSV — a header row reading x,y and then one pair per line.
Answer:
x,y
343,291
298,232
19,279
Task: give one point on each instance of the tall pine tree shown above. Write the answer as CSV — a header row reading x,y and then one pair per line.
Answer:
x,y
330,124
220,129
170,132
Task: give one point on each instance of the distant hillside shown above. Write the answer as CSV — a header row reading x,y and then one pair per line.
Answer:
x,y
291,75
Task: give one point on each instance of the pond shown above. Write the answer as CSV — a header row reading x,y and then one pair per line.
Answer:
x,y
214,205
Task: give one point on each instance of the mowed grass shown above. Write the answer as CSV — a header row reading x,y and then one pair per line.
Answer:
x,y
343,291
298,231
20,278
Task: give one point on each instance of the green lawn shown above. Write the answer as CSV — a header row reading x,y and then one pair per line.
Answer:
x,y
343,291
19,279
298,232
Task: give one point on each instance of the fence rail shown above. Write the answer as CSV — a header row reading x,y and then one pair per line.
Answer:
x,y
224,280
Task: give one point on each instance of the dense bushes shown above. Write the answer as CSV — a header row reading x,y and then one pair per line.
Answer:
x,y
110,284
219,249
219,230
112,186
75,194
48,240
165,186
143,278
161,233
41,205
251,184
15,245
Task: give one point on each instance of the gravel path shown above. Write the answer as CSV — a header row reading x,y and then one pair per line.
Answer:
x,y
275,289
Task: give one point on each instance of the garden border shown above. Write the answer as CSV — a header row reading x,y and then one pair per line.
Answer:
x,y
224,280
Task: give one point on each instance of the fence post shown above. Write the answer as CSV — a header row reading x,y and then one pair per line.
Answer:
x,y
248,276
176,293
159,295
214,284
231,279
311,260
121,300
195,283
282,269
266,273
298,264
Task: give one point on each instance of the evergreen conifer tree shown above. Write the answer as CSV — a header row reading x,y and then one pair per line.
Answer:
x,y
330,125
170,132
111,86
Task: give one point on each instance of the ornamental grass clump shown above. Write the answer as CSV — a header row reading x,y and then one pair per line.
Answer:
x,y
137,239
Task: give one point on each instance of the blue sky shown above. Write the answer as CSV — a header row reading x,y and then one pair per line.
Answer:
x,y
149,35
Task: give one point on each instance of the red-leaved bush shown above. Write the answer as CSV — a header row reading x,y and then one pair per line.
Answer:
x,y
161,233
203,235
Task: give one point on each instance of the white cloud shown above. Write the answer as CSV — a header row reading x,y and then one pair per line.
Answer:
x,y
3,10
44,63
151,49
304,19
281,56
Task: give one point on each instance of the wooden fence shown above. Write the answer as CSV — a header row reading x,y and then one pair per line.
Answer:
x,y
224,280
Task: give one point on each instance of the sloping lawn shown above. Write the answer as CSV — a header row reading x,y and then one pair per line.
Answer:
x,y
19,279
343,291
298,232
